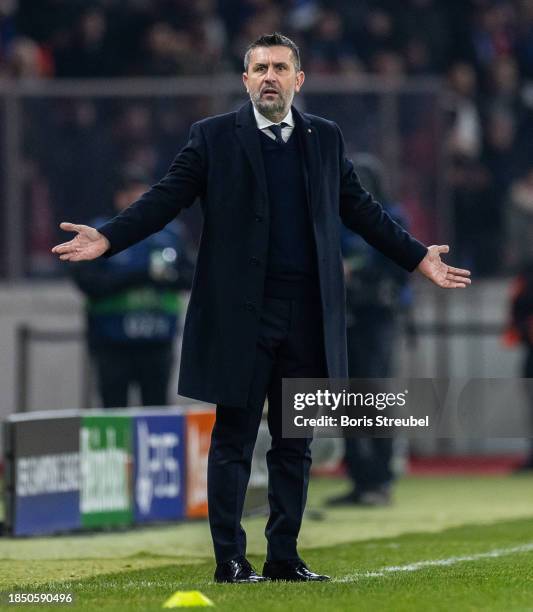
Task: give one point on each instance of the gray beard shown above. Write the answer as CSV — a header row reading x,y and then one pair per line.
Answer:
x,y
275,111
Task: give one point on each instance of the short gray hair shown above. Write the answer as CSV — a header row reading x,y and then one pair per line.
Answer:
x,y
273,40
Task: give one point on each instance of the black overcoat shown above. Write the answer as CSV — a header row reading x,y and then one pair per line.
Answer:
x,y
222,166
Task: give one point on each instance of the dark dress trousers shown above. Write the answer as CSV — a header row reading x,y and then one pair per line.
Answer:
x,y
262,309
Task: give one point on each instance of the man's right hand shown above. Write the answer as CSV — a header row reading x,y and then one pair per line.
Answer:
x,y
88,243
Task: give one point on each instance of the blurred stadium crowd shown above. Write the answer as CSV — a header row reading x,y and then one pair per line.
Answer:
x,y
81,38
483,49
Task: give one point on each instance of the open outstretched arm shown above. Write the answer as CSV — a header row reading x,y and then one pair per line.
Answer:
x,y
178,189
441,274
362,214
88,243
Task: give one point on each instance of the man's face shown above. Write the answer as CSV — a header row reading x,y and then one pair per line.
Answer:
x,y
272,80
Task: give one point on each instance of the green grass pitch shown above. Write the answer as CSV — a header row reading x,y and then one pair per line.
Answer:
x,y
449,544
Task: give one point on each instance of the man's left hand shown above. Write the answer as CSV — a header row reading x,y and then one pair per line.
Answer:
x,y
440,273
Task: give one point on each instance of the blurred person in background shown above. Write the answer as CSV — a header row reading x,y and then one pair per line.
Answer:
x,y
503,88
87,52
133,135
501,160
492,33
520,330
464,133
26,60
390,65
133,306
170,51
519,222
330,51
519,260
426,34
467,176
377,34
376,292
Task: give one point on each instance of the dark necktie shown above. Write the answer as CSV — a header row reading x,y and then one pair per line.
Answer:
x,y
276,130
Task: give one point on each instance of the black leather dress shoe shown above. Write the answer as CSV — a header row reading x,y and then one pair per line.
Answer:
x,y
293,570
237,570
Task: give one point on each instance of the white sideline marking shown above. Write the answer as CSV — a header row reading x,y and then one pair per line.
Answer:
x,y
418,565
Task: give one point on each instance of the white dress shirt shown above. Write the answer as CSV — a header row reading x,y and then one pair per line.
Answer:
x,y
263,124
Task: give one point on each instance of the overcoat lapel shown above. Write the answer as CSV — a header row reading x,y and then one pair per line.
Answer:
x,y
248,135
311,147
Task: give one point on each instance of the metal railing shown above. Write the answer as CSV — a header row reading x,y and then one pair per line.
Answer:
x,y
25,338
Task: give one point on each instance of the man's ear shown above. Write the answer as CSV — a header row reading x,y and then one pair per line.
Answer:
x,y
300,78
245,81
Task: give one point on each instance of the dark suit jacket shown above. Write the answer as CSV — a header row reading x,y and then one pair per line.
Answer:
x,y
222,165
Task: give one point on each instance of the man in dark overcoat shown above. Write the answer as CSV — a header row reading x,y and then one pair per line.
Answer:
x,y
267,300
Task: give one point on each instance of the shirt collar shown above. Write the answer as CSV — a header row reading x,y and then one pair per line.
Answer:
x,y
263,122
